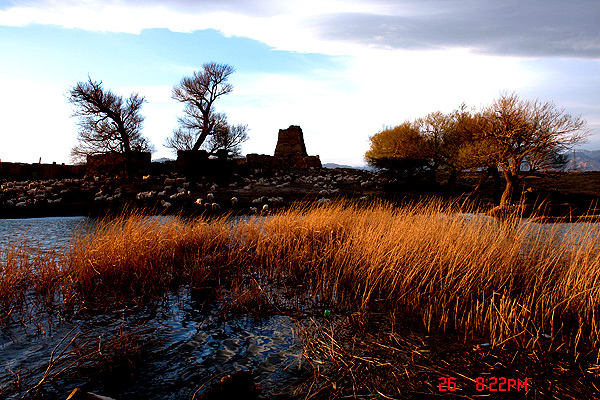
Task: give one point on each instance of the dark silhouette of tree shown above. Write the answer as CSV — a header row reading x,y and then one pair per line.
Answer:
x,y
230,138
199,93
107,123
224,137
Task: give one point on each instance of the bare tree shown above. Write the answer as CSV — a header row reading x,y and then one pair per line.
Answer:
x,y
184,137
528,138
107,123
230,139
199,93
224,137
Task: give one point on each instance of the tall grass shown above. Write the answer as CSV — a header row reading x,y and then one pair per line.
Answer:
x,y
508,280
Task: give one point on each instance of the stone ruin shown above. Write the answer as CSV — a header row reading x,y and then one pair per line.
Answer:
x,y
290,153
290,143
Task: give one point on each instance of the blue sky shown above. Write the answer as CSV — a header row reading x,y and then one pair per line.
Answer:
x,y
339,69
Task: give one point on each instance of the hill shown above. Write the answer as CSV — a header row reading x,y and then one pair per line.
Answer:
x,y
584,160
334,165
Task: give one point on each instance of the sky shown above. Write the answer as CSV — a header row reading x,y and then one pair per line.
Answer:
x,y
341,69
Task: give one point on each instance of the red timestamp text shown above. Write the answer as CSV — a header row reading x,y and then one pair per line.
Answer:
x,y
500,384
447,384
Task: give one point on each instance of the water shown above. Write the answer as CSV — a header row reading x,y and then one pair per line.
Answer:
x,y
164,351
45,233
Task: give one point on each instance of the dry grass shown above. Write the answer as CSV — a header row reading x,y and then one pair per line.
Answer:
x,y
458,272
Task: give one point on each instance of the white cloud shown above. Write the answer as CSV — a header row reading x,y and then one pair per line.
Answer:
x,y
549,27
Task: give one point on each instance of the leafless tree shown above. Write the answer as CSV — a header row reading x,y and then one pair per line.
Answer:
x,y
107,123
199,93
224,137
230,139
527,138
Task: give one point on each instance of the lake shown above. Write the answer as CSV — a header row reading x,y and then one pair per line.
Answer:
x,y
183,346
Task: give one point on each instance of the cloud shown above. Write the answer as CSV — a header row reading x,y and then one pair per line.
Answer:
x,y
521,28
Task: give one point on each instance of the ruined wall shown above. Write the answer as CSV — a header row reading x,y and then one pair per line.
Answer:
x,y
23,171
290,143
290,153
114,163
291,150
271,163
198,163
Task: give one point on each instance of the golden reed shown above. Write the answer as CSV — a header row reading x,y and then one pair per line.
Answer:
x,y
510,280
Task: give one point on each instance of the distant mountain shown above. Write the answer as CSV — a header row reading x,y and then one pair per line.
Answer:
x,y
162,160
584,160
334,165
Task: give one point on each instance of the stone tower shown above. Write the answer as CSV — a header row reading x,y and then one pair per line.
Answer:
x,y
290,143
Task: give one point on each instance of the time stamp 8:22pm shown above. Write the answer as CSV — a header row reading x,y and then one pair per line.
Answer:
x,y
489,384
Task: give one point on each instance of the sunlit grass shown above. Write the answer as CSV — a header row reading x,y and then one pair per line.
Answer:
x,y
460,272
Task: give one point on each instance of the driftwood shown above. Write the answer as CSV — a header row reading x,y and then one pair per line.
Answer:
x,y
79,394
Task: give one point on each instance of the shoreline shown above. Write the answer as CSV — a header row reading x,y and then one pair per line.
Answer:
x,y
567,197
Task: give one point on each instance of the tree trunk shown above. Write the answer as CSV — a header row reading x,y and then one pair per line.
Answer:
x,y
206,129
497,183
483,176
200,140
512,183
451,184
127,153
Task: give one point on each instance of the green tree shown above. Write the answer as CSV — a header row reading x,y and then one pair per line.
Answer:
x,y
466,149
436,131
429,144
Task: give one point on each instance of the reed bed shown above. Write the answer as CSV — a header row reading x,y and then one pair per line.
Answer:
x,y
462,272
